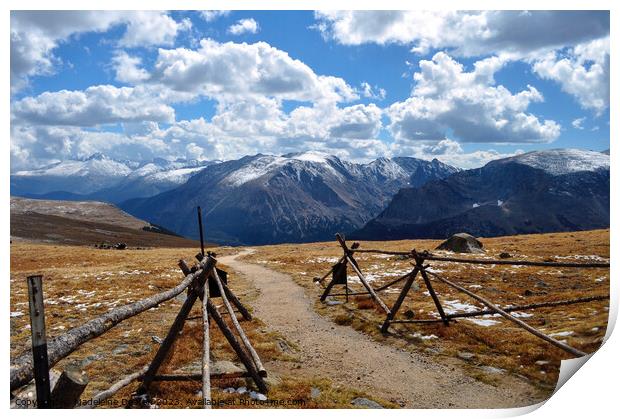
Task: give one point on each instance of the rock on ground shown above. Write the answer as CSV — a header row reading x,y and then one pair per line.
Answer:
x,y
462,243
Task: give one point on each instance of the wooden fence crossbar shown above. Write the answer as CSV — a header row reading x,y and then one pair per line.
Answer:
x,y
420,268
63,345
429,256
530,306
513,319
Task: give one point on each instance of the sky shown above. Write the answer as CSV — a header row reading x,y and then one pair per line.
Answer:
x,y
465,87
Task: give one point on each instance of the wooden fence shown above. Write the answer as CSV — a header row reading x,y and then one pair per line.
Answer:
x,y
339,277
203,282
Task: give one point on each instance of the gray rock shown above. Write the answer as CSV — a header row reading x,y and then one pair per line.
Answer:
x,y
363,402
284,347
273,380
122,348
90,359
492,370
216,367
314,393
225,367
462,243
466,355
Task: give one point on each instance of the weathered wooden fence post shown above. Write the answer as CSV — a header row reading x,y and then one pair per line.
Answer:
x,y
202,241
69,387
39,342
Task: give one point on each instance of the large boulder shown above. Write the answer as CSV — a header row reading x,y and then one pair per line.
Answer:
x,y
462,243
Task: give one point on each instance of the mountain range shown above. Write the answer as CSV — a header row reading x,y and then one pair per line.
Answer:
x,y
536,192
303,197
300,197
100,178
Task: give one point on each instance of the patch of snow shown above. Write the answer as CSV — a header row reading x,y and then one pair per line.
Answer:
x,y
483,322
16,313
456,306
423,337
566,333
584,257
519,314
255,169
312,156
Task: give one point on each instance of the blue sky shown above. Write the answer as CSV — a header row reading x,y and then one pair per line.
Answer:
x,y
463,87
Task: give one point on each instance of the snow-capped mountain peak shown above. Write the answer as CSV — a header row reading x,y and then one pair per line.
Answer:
x,y
561,161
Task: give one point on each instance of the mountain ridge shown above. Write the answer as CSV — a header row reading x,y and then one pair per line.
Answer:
x,y
537,192
297,197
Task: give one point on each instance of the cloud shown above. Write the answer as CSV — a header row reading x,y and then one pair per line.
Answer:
x,y
128,69
467,33
578,123
244,26
447,99
583,72
449,152
211,15
36,34
372,92
237,70
146,28
538,37
96,105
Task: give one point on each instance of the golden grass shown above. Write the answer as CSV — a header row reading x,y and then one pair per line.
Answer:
x,y
502,345
81,283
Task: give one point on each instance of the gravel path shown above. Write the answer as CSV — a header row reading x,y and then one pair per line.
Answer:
x,y
350,358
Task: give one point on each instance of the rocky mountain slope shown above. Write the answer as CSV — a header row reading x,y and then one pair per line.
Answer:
x,y
292,198
536,192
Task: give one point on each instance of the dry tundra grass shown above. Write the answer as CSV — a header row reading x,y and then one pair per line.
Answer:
x,y
489,345
81,283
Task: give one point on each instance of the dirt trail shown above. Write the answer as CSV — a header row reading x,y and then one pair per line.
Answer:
x,y
352,359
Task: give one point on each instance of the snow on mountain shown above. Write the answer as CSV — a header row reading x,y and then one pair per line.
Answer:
x,y
562,161
291,198
98,165
75,176
255,169
174,176
537,192
99,177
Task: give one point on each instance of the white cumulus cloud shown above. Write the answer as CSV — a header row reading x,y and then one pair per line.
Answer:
x,y
582,72
128,68
446,98
240,70
244,26
103,104
36,34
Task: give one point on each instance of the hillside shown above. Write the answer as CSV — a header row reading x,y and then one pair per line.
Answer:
x,y
85,223
537,192
300,197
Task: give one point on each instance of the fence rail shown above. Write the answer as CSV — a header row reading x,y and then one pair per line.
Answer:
x,y
339,277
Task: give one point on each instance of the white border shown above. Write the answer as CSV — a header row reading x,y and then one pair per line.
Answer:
x,y
591,393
